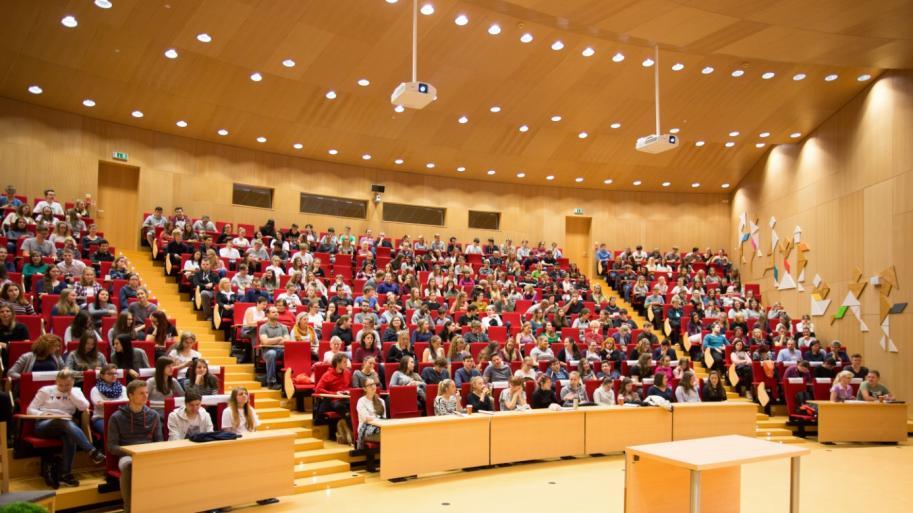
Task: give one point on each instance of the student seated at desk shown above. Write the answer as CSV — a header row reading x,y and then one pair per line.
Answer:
x,y
63,400
369,407
239,417
686,391
514,397
713,390
190,419
163,384
544,395
574,392
871,390
605,394
497,371
841,390
447,401
660,387
480,395
107,388
629,394
133,423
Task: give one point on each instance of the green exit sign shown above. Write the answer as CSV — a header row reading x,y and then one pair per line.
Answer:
x,y
578,211
119,155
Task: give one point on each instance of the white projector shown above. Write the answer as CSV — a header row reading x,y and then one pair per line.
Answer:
x,y
414,95
654,143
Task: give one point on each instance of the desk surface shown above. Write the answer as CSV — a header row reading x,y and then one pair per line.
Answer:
x,y
179,445
717,451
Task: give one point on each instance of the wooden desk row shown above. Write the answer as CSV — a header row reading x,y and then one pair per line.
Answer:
x,y
432,444
856,421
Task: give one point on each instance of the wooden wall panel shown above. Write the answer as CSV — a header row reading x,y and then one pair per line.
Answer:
x,y
849,185
43,147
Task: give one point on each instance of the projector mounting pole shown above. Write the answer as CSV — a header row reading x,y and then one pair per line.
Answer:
x,y
414,40
656,78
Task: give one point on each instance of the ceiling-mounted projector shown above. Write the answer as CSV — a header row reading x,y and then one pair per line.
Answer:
x,y
413,95
656,143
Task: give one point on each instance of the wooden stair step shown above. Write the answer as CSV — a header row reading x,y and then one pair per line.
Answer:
x,y
762,424
765,432
762,416
268,402
240,367
337,452
301,432
307,444
222,360
287,422
85,494
248,384
272,413
264,393
783,439
323,482
319,468
214,346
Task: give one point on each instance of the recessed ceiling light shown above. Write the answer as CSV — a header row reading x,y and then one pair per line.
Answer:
x,y
521,175
764,135
261,139
463,120
767,75
104,4
256,77
550,177
297,146
799,76
331,95
674,130
759,145
557,45
491,171
734,133
707,70
430,165
399,108
608,181
831,77
35,89
647,62
699,143
695,185
334,151
615,125
729,144
69,21
678,66
89,102
181,123
461,169
737,73
583,135
579,179
524,128
618,57
171,53
427,9
556,118
222,132
666,184
398,162
204,38
795,135
863,77
366,156
364,82
137,113
526,38
588,52
494,29
288,63
637,183
725,186
461,20
495,108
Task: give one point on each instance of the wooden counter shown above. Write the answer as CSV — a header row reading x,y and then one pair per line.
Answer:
x,y
700,420
186,476
612,428
861,422
537,434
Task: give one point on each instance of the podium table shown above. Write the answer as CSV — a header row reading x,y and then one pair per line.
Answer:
x,y
699,475
857,421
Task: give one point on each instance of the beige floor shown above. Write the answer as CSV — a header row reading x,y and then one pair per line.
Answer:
x,y
835,479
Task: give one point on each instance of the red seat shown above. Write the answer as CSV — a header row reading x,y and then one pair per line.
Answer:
x,y
591,385
60,323
430,394
32,324
297,362
111,468
758,377
17,349
29,383
822,389
404,402
796,417
389,369
148,347
499,333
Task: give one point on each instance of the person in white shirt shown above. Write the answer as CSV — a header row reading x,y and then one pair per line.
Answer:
x,y
253,315
241,240
556,252
189,420
474,248
605,394
49,201
291,296
242,279
59,402
230,252
107,388
276,266
491,318
239,417
527,370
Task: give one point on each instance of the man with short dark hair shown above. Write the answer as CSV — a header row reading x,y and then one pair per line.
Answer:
x,y
272,335
466,372
132,424
49,201
335,381
39,244
436,373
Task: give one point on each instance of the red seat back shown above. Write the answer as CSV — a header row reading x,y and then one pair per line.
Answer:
x,y
60,323
591,385
404,402
298,357
17,349
148,347
430,394
499,333
354,395
32,324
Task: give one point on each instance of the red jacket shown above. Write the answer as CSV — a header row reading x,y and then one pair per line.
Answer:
x,y
332,382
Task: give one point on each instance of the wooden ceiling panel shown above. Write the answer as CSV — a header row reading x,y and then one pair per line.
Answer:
x,y
115,57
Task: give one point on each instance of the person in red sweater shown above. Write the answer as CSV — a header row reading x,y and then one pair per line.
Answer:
x,y
336,380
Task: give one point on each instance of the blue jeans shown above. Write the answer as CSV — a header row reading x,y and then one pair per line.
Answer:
x,y
98,426
270,356
72,436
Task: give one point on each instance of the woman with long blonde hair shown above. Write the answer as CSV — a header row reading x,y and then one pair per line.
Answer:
x,y
240,417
